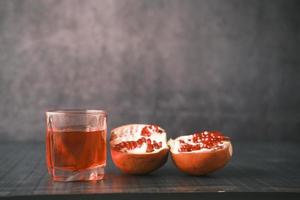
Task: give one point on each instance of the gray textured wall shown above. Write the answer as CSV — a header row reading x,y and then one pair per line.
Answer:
x,y
229,65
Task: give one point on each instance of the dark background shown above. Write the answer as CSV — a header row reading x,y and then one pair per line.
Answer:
x,y
186,65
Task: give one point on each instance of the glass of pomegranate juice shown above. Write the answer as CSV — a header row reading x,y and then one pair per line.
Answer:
x,y
76,144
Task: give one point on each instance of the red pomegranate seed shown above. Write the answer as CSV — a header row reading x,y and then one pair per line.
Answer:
x,y
204,140
140,142
156,146
185,148
128,146
149,148
145,131
148,141
122,144
131,144
160,144
143,140
156,129
196,147
134,144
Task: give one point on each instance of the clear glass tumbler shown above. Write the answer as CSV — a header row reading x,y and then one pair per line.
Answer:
x,y
76,144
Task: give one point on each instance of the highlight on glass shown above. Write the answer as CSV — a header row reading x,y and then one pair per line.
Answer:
x,y
76,144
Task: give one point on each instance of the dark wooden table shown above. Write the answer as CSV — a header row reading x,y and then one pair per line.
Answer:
x,y
266,170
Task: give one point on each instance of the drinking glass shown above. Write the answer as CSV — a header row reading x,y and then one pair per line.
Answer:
x,y
76,144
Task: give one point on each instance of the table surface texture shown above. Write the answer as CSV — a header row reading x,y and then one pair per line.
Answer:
x,y
255,167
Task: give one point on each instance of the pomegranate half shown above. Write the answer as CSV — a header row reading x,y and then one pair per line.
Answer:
x,y
201,153
138,148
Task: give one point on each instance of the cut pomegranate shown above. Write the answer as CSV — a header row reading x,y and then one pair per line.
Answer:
x,y
138,148
200,153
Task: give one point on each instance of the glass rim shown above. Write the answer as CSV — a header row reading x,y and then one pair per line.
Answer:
x,y
76,111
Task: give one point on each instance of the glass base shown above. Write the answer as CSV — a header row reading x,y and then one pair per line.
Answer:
x,y
92,174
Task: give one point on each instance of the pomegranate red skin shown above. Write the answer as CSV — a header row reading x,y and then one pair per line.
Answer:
x,y
202,163
139,164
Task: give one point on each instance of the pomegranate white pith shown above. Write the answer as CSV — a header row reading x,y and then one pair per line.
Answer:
x,y
200,153
139,138
138,148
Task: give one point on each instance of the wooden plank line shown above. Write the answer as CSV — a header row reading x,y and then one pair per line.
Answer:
x,y
30,173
